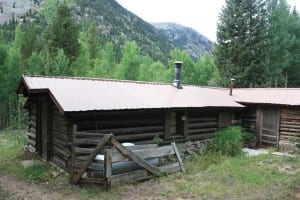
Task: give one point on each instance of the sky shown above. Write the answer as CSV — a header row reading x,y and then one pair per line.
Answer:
x,y
201,15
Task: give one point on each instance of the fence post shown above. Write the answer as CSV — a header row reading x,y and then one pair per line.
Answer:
x,y
108,167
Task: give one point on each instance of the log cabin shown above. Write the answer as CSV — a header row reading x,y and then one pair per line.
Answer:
x,y
272,113
133,111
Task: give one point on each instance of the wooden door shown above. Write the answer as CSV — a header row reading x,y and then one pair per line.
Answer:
x,y
269,126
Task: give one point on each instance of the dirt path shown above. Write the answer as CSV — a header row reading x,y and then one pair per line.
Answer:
x,y
17,189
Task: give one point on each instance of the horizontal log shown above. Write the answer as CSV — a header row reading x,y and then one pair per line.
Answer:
x,y
32,130
200,125
86,141
140,136
87,135
202,130
63,152
145,153
289,129
31,135
133,130
289,123
212,119
60,162
32,142
59,136
115,122
295,117
290,126
32,123
289,133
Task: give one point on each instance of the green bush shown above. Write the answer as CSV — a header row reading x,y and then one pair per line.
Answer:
x,y
38,172
228,141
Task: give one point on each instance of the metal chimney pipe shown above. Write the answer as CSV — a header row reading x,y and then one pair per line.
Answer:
x,y
231,86
177,76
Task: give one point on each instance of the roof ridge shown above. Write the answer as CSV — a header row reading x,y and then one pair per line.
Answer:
x,y
119,80
98,79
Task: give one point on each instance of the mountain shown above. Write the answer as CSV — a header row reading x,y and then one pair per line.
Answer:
x,y
115,23
185,38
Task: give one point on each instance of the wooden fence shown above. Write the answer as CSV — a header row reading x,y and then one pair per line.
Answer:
x,y
84,154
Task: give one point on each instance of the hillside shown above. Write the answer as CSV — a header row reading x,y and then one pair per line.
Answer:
x,y
115,24
185,38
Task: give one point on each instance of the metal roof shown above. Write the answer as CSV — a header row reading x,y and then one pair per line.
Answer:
x,y
274,96
88,94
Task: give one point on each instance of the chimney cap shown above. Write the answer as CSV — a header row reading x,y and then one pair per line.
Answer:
x,y
178,62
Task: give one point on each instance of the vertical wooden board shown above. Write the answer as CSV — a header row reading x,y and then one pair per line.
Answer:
x,y
224,119
178,156
108,167
278,127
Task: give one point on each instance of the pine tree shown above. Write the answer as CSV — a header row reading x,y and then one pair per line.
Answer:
x,y
279,42
93,43
240,45
63,34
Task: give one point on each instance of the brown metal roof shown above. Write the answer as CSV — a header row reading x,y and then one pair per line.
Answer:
x,y
275,96
86,94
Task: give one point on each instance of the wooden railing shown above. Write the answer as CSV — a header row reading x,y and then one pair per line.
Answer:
x,y
85,152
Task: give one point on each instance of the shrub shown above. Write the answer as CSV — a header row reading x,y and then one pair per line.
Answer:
x,y
228,141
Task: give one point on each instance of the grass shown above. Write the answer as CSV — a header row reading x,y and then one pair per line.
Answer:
x,y
11,151
208,176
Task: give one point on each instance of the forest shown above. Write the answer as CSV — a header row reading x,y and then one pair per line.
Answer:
x,y
258,44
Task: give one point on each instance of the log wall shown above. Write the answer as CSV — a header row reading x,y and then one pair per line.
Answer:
x,y
249,119
289,124
61,140
202,125
126,126
32,128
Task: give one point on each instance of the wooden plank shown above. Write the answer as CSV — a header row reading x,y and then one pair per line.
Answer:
x,y
108,168
145,153
130,177
127,153
75,177
178,156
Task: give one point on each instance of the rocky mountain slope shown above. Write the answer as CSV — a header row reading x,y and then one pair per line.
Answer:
x,y
116,24
185,38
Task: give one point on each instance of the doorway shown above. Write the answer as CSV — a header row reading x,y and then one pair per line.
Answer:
x,y
269,132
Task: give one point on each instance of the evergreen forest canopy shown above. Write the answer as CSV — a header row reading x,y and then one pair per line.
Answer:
x,y
257,44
